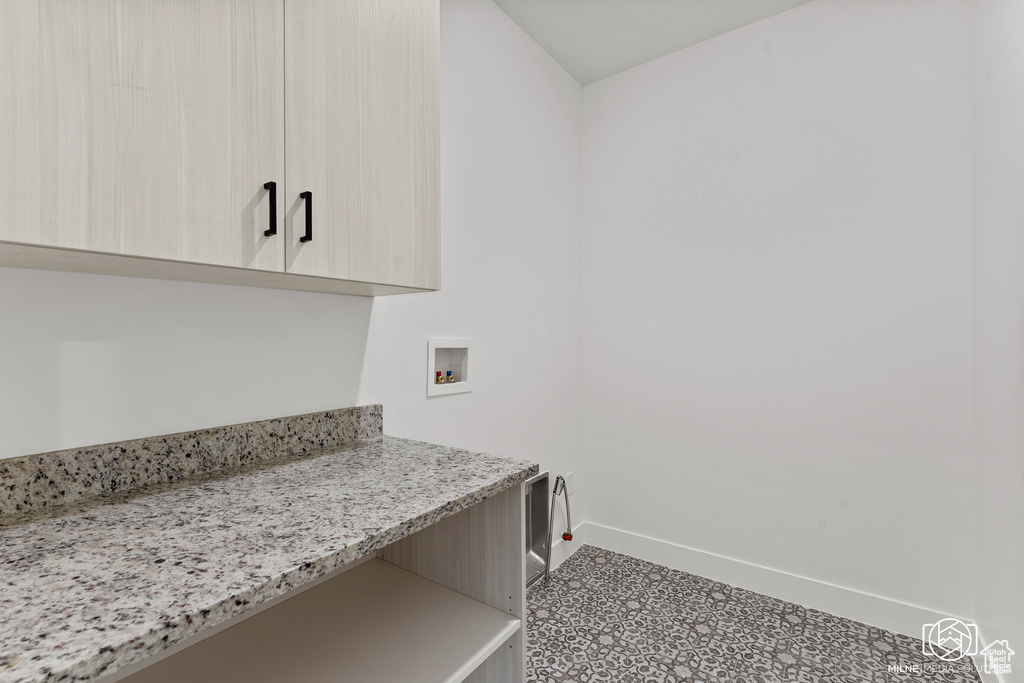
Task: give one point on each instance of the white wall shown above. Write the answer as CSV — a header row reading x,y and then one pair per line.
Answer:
x,y
91,359
777,298
510,216
775,287
999,324
88,359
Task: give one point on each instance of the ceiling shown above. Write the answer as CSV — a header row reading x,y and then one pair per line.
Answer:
x,y
594,39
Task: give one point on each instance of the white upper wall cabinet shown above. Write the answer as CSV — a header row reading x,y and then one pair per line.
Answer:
x,y
138,135
143,127
362,107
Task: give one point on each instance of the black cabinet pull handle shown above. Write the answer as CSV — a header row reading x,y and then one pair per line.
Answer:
x,y
308,198
272,188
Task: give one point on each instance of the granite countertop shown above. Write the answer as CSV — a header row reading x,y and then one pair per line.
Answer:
x,y
91,587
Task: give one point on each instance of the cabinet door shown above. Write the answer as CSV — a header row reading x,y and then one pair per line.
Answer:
x,y
143,127
362,128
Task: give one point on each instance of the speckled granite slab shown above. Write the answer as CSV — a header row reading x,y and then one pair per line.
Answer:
x,y
97,587
62,477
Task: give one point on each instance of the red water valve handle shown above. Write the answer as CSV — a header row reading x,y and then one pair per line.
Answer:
x,y
567,536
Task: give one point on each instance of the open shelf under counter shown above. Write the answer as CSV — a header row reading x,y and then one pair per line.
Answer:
x,y
253,567
376,622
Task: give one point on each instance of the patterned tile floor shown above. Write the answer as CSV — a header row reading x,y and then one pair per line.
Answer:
x,y
610,617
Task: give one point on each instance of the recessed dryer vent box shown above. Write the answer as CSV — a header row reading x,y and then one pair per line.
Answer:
x,y
444,355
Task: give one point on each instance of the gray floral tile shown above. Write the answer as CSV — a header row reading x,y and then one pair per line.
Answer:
x,y
611,617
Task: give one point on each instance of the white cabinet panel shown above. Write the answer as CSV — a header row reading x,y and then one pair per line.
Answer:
x,y
148,128
143,127
363,138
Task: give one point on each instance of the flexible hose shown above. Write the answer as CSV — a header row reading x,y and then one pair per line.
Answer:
x,y
567,536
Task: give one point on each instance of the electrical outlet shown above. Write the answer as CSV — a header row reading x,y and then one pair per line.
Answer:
x,y
570,483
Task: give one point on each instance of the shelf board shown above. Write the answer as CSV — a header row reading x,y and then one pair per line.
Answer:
x,y
373,623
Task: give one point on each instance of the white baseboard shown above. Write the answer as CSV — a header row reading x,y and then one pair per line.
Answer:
x,y
979,664
845,602
561,550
